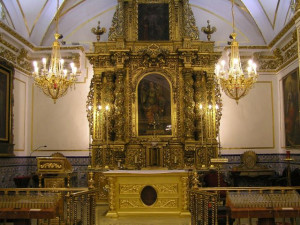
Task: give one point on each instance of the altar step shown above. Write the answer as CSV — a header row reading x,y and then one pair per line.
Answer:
x,y
101,219
52,222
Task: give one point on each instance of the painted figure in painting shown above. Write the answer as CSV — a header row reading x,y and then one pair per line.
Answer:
x,y
153,22
291,110
154,105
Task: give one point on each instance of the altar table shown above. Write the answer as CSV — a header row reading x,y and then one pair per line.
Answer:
x,y
144,192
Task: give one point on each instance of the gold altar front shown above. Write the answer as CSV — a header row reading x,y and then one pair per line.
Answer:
x,y
125,187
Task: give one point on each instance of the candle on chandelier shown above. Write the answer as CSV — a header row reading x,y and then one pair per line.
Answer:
x,y
135,159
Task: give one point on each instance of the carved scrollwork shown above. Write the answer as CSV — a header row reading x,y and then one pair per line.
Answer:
x,y
89,104
119,106
22,59
119,58
111,194
188,57
117,28
218,101
130,203
154,56
185,184
6,54
166,188
189,23
189,104
137,203
51,166
130,188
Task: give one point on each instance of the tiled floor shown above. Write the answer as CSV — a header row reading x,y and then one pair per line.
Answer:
x,y
101,219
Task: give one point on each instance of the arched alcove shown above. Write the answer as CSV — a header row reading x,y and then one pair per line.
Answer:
x,y
154,105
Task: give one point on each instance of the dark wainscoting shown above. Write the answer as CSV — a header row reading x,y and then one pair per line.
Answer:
x,y
12,167
26,166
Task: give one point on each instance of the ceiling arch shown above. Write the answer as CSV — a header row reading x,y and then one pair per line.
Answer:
x,y
257,22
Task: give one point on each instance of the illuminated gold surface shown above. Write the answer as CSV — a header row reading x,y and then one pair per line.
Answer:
x,y
125,192
187,65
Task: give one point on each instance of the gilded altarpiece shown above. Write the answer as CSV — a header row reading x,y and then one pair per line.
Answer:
x,y
155,103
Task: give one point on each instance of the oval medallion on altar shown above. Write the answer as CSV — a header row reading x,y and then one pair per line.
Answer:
x,y
148,195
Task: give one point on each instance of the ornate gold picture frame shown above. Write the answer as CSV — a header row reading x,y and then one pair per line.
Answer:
x,y
6,85
291,109
154,106
5,104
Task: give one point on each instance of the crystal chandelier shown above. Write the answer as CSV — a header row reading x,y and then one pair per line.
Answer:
x,y
233,80
54,81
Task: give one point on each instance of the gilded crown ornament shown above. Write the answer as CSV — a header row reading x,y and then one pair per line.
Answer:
x,y
231,77
98,31
54,81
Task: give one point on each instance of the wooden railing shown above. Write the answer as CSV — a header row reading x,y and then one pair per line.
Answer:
x,y
81,207
207,207
49,205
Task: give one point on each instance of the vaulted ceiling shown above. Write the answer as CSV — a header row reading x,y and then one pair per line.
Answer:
x,y
257,21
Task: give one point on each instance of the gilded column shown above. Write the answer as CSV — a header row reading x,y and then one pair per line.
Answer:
x,y
189,104
111,197
211,115
185,201
89,105
97,135
203,101
108,106
94,118
197,97
119,106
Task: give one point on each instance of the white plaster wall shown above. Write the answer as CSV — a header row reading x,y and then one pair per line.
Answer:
x,y
62,127
21,110
251,124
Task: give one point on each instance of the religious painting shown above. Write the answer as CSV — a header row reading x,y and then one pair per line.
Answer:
x,y
291,109
4,104
154,106
153,22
